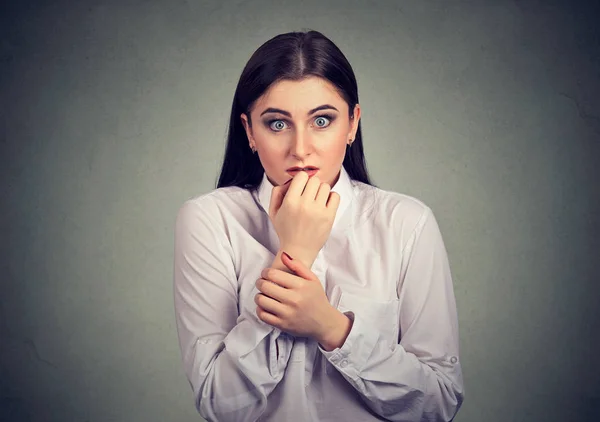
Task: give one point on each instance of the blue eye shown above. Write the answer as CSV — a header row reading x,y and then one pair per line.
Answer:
x,y
279,124
322,121
322,118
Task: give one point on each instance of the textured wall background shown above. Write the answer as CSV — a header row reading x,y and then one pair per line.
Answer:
x,y
113,113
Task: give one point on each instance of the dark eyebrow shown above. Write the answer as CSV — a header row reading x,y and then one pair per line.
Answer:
x,y
287,113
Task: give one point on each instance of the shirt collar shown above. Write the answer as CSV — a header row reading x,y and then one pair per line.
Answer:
x,y
343,187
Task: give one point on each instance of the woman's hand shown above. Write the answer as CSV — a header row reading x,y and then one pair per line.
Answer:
x,y
297,304
302,212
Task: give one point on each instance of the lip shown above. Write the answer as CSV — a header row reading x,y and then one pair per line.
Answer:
x,y
310,173
297,168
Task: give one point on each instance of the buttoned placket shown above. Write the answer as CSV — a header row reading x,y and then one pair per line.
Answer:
x,y
319,268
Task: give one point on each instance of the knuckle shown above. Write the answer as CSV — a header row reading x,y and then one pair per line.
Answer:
x,y
294,301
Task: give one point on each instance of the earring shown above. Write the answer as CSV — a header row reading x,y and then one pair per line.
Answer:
x,y
253,149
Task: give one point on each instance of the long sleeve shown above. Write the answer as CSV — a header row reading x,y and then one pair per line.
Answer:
x,y
419,378
232,359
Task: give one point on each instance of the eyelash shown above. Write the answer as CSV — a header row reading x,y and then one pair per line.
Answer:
x,y
330,117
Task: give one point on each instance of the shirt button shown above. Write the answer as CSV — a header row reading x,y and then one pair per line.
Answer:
x,y
343,363
453,359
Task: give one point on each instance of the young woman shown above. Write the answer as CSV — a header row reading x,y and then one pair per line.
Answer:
x,y
360,322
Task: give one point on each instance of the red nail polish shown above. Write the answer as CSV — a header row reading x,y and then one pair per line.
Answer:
x,y
291,259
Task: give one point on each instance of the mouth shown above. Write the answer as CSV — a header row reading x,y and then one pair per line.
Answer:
x,y
311,171
308,168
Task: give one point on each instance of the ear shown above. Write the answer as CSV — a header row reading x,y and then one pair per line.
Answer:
x,y
354,122
247,128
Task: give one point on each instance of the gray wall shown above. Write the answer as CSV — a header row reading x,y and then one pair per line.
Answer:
x,y
113,114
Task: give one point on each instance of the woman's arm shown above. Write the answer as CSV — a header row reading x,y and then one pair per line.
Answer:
x,y
231,358
419,379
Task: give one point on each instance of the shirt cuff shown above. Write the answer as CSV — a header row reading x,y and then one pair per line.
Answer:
x,y
354,353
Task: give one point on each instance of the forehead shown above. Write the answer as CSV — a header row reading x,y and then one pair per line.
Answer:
x,y
299,96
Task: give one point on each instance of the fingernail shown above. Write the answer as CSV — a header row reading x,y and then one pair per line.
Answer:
x,y
289,257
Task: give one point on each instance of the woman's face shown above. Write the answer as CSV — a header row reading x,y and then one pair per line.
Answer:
x,y
287,131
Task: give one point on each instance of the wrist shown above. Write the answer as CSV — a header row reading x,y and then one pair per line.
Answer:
x,y
279,265
301,254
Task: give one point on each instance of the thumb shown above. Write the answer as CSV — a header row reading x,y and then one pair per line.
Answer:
x,y
277,196
298,267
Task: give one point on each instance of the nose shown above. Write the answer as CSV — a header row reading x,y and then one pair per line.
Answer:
x,y
301,144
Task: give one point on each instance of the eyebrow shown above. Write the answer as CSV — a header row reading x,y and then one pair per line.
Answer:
x,y
287,113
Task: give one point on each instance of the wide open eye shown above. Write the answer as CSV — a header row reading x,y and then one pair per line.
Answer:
x,y
323,121
279,125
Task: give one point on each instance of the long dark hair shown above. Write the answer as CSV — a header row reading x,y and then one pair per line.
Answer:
x,y
291,56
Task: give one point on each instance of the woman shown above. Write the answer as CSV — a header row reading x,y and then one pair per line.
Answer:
x,y
359,323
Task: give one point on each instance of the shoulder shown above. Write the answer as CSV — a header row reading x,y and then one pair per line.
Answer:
x,y
211,206
395,209
394,218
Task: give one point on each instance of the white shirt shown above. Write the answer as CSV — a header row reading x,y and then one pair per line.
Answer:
x,y
384,265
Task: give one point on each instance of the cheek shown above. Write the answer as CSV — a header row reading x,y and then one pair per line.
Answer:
x,y
338,148
340,139
270,160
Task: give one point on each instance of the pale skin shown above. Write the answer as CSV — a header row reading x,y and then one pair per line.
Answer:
x,y
292,297
297,304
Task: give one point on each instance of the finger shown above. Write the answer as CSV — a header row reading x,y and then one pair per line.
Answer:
x,y
298,183
275,202
285,187
277,196
323,194
334,201
269,304
311,188
268,317
274,291
281,278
